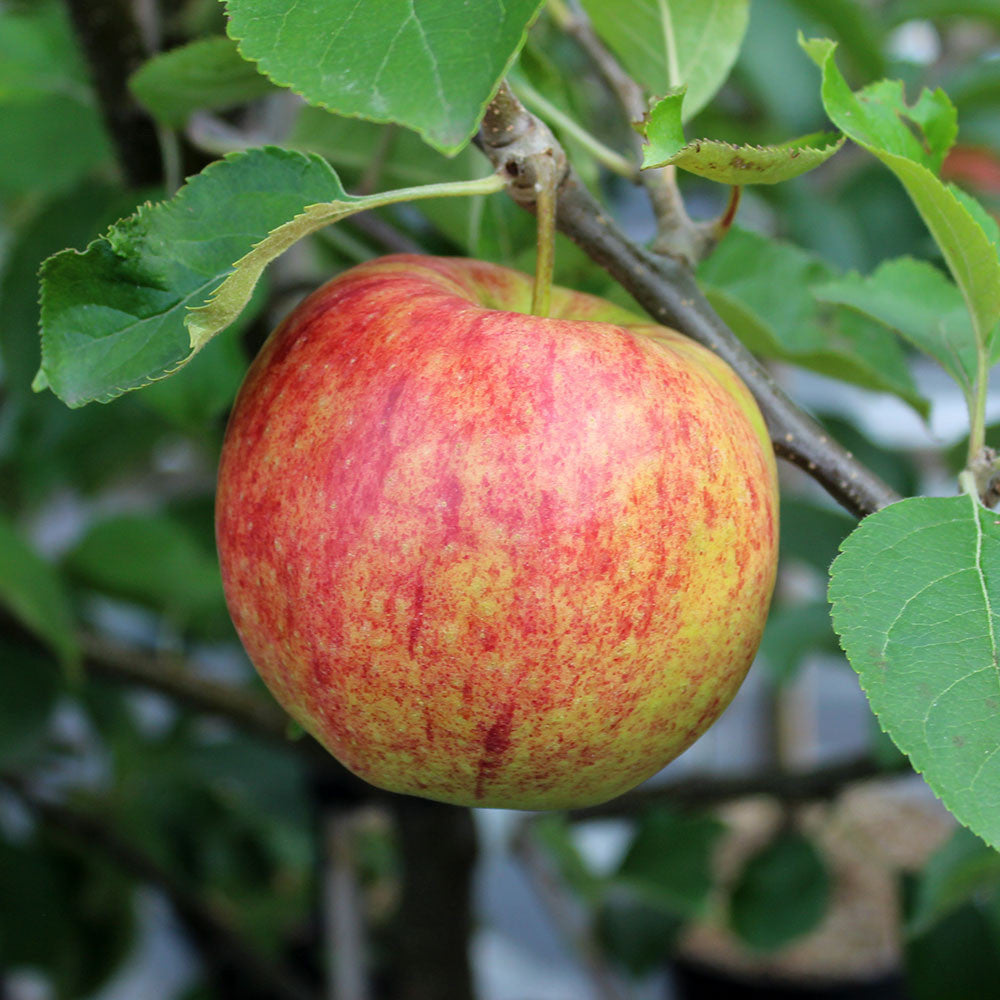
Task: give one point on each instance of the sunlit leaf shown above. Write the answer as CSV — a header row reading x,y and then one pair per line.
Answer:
x,y
667,43
914,602
722,161
431,67
877,118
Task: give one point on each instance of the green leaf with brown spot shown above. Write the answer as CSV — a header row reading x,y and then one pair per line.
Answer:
x,y
722,161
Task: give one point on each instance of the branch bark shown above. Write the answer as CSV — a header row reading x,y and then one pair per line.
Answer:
x,y
710,790
112,43
572,922
434,924
223,950
261,718
677,233
665,286
249,712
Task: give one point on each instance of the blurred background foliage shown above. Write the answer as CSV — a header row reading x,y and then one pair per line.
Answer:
x,y
150,791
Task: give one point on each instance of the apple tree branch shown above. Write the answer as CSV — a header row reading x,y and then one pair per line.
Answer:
x,y
665,286
223,949
112,44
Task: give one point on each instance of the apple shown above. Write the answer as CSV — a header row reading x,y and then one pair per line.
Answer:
x,y
490,558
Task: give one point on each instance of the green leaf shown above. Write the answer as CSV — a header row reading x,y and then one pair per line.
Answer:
x,y
960,870
876,118
139,302
31,590
669,860
722,161
636,933
761,287
782,893
909,10
227,301
29,688
812,533
46,104
916,300
68,220
432,68
204,74
987,222
154,561
64,913
205,388
957,959
555,834
913,595
667,43
113,316
792,633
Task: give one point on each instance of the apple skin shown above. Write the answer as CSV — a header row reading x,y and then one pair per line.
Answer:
x,y
489,558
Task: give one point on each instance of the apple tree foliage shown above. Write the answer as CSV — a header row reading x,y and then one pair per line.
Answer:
x,y
287,118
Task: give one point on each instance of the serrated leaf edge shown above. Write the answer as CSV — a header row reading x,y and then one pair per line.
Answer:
x,y
425,133
918,765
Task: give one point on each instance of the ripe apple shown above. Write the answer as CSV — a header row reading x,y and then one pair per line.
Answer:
x,y
489,558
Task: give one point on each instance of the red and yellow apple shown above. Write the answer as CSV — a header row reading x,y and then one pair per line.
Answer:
x,y
490,558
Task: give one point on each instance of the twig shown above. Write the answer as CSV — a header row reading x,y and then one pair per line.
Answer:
x,y
677,234
709,790
113,45
221,946
386,235
252,713
665,286
345,925
576,24
368,184
104,658
570,920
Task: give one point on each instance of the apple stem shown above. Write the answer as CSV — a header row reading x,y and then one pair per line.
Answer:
x,y
722,224
545,212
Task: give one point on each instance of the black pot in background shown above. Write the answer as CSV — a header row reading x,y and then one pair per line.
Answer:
x,y
699,982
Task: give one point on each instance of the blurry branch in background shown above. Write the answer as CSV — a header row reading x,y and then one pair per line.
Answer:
x,y
254,714
709,790
224,952
665,286
347,976
383,233
261,717
571,919
112,43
